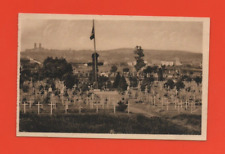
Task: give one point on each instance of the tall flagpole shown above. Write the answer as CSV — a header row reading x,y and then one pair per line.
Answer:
x,y
95,54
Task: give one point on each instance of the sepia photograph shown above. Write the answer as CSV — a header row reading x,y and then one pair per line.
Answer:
x,y
121,77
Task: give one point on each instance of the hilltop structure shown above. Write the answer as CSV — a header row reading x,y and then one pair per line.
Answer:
x,y
36,47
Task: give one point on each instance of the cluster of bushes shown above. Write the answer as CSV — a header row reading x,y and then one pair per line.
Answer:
x,y
53,68
120,83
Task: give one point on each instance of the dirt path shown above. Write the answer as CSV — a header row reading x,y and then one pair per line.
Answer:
x,y
150,114
140,111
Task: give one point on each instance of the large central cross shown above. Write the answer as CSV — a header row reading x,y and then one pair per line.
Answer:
x,y
94,73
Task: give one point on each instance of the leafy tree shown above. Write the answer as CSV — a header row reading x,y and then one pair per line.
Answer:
x,y
186,78
56,68
149,69
139,54
35,76
147,82
133,81
113,69
198,80
122,84
25,75
51,82
102,80
69,80
160,74
109,84
179,85
126,69
84,87
155,68
116,81
169,84
151,78
28,72
25,88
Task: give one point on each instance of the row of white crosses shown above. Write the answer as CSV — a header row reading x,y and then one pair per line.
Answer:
x,y
52,105
113,102
187,102
25,104
66,105
178,103
39,105
102,103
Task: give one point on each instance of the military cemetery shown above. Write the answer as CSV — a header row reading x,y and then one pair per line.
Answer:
x,y
99,93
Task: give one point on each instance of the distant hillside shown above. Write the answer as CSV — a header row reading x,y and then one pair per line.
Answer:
x,y
114,56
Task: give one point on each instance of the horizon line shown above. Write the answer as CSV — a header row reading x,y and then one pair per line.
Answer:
x,y
70,49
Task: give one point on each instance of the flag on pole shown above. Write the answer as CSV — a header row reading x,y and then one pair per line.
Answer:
x,y
92,33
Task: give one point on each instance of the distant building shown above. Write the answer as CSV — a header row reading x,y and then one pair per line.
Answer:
x,y
167,63
177,62
35,48
131,63
104,74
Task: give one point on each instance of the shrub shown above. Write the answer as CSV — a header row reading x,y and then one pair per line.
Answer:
x,y
25,88
169,84
179,85
121,106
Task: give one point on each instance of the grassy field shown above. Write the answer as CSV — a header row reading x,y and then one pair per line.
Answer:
x,y
184,118
104,123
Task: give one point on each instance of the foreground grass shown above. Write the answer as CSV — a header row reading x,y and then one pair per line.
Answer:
x,y
100,123
193,121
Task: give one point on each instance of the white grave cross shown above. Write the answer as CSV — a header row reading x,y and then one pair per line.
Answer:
x,y
38,107
24,107
114,108
30,103
66,107
51,105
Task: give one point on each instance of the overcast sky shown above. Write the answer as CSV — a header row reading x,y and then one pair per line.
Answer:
x,y
112,34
